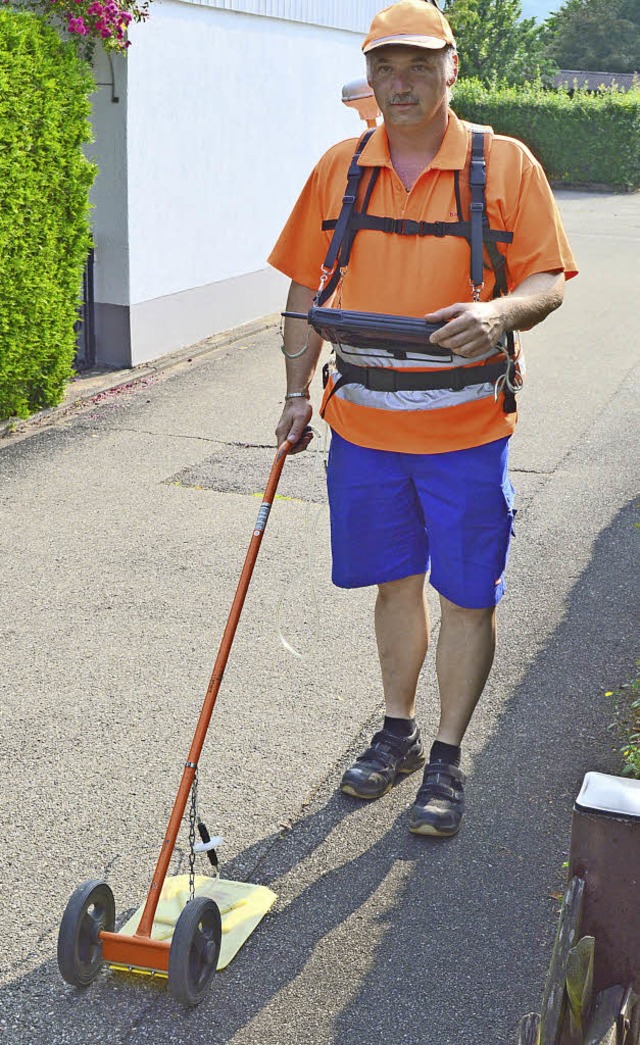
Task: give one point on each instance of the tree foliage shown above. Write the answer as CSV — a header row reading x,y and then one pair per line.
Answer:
x,y
496,44
603,35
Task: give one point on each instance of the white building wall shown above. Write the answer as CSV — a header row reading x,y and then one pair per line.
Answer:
x,y
226,114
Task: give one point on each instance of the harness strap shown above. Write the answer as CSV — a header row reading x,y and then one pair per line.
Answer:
x,y
354,223
406,227
348,202
342,227
477,188
347,242
477,184
481,237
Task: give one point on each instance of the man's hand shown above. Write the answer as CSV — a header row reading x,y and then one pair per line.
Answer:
x,y
292,424
472,327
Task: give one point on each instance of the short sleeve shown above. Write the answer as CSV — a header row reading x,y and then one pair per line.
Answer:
x,y
302,245
540,242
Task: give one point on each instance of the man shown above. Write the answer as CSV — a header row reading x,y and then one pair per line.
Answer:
x,y
417,472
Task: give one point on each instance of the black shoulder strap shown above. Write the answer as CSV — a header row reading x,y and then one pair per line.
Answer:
x,y
348,202
479,226
477,184
479,219
348,206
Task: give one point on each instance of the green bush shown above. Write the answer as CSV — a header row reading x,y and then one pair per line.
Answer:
x,y
44,207
580,138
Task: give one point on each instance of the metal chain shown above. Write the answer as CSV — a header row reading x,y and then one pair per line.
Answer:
x,y
193,819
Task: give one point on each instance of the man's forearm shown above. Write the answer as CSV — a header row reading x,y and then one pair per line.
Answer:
x,y
473,327
297,335
532,301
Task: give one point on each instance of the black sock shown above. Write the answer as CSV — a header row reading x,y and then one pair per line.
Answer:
x,y
400,727
448,753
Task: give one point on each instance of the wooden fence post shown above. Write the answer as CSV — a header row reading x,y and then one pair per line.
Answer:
x,y
553,999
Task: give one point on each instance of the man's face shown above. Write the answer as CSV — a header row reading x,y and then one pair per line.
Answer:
x,y
409,83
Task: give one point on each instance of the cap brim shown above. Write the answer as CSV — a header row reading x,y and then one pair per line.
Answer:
x,y
431,43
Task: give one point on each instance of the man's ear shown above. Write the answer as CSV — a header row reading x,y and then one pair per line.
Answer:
x,y
452,79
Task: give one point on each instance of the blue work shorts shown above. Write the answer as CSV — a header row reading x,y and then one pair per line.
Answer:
x,y
394,515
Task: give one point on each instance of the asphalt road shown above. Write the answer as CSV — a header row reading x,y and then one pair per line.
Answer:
x,y
123,526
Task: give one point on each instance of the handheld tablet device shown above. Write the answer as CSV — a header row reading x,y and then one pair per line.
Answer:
x,y
395,334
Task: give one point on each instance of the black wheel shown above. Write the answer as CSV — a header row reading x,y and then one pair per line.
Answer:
x,y
194,952
90,910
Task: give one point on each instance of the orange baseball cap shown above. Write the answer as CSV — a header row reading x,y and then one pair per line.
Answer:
x,y
416,23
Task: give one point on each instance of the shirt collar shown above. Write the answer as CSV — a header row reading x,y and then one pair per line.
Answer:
x,y
451,156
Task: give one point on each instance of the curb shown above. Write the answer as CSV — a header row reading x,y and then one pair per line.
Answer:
x,y
92,385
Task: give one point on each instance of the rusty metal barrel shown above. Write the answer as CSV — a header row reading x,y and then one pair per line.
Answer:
x,y
605,852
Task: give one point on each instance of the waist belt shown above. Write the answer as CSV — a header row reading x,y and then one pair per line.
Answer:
x,y
383,379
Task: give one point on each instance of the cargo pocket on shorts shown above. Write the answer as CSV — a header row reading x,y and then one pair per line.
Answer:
x,y
509,497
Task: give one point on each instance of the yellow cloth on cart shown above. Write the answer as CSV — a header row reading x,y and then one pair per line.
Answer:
x,y
241,904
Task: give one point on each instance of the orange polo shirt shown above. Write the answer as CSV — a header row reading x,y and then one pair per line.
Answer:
x,y
414,275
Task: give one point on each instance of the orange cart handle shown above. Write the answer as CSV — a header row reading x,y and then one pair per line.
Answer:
x,y
188,774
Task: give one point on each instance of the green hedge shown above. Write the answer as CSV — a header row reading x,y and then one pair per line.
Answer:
x,y
583,139
44,228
